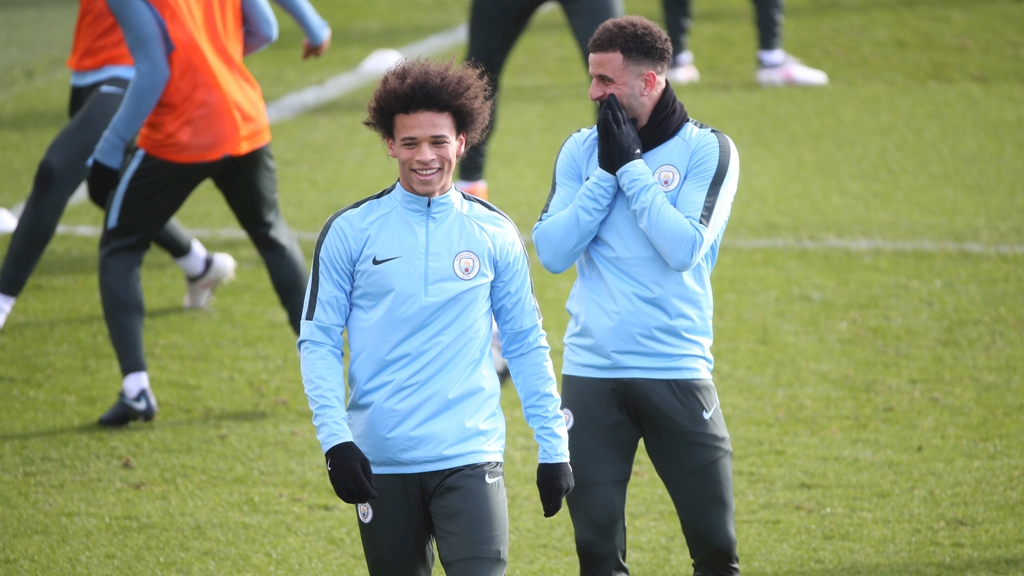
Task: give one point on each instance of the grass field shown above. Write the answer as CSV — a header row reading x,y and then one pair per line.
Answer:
x,y
869,309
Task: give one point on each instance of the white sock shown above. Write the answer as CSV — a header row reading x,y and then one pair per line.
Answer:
x,y
770,58
6,305
684,58
134,383
194,263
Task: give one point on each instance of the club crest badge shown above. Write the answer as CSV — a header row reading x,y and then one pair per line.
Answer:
x,y
567,414
668,177
365,513
467,265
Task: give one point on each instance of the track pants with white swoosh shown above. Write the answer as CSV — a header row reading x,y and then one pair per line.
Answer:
x,y
684,432
464,509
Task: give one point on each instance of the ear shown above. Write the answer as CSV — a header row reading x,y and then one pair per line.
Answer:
x,y
460,145
391,148
649,81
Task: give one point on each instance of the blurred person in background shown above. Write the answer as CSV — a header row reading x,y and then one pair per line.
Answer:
x,y
101,68
494,28
775,67
199,114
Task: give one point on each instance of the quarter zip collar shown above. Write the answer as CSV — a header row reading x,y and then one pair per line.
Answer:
x,y
434,207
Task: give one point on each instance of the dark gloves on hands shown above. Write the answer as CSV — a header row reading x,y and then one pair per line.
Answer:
x,y
554,481
350,473
102,180
617,140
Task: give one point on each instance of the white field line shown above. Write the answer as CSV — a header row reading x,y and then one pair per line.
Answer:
x,y
303,100
862,245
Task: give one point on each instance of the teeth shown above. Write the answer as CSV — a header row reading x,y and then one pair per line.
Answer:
x,y
426,172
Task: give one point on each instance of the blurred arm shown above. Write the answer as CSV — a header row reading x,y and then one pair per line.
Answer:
x,y
260,25
318,32
146,35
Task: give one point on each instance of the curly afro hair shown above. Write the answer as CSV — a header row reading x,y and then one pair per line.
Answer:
x,y
640,41
424,85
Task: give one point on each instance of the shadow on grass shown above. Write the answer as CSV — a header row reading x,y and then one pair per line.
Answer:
x,y
141,427
994,565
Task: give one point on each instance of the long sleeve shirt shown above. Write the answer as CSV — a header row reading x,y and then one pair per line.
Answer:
x,y
644,242
414,282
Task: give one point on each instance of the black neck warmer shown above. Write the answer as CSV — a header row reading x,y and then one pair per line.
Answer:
x,y
666,119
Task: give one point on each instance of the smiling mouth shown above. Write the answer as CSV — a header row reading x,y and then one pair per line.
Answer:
x,y
426,172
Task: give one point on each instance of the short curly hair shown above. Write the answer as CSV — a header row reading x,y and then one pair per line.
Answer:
x,y
424,85
640,41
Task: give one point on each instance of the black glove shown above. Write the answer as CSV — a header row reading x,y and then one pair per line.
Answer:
x,y
554,481
102,180
617,140
350,473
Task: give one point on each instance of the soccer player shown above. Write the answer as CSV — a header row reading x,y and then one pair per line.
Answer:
x,y
775,66
201,115
101,68
494,28
414,274
639,204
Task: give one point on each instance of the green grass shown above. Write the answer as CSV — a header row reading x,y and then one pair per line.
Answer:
x,y
874,397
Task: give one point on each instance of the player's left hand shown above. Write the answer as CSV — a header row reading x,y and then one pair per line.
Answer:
x,y
618,142
316,51
554,481
101,181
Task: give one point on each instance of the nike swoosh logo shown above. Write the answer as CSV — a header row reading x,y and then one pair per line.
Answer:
x,y
707,414
379,262
328,464
491,480
137,405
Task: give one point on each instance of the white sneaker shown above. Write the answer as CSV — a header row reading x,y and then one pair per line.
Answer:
x,y
683,74
791,73
8,221
220,269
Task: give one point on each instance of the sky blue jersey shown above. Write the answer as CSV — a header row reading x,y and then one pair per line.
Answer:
x,y
414,281
644,243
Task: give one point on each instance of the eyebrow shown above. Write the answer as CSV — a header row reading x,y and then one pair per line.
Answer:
x,y
434,137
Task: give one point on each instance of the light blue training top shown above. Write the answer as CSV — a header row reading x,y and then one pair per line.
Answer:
x,y
414,282
644,242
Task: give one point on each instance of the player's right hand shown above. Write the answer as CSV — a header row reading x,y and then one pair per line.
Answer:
x,y
350,473
317,50
102,180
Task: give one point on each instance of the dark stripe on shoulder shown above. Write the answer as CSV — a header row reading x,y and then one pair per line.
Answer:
x,y
716,183
699,124
522,243
315,274
485,204
554,175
